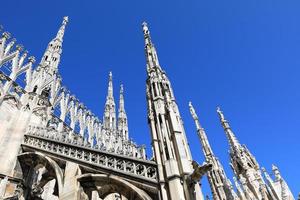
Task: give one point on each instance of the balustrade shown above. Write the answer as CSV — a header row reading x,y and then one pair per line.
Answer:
x,y
37,137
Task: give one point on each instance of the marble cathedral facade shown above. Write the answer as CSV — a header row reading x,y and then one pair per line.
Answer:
x,y
53,147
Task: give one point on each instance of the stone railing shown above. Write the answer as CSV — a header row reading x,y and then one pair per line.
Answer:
x,y
67,135
49,142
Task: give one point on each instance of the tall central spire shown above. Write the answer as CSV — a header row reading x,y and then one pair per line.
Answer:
x,y
109,118
171,149
151,55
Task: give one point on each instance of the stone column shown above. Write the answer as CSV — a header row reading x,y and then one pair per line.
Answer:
x,y
71,186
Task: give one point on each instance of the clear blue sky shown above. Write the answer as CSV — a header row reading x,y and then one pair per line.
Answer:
x,y
241,55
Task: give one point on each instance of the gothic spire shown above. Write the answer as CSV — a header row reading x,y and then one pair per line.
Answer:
x,y
110,88
150,51
121,101
243,163
285,190
122,117
109,118
171,149
276,172
233,142
154,71
61,31
201,133
277,188
45,76
267,176
270,185
51,57
146,33
219,183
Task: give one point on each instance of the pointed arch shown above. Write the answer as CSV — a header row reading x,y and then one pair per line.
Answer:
x,y
33,159
108,183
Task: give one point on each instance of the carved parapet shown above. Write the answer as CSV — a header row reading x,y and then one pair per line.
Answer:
x,y
42,139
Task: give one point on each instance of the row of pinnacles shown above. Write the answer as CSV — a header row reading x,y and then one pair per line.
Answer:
x,y
50,110
249,182
65,113
36,110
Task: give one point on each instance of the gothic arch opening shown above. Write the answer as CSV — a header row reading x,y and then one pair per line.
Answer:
x,y
42,176
109,186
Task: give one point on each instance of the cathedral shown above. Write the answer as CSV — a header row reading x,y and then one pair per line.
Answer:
x,y
53,147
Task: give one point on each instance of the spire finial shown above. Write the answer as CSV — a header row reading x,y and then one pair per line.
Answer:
x,y
121,100
151,55
145,28
121,89
233,142
110,86
146,33
274,167
61,31
66,19
192,111
276,172
224,122
221,115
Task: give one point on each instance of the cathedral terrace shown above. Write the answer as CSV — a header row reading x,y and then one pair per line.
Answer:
x,y
53,146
